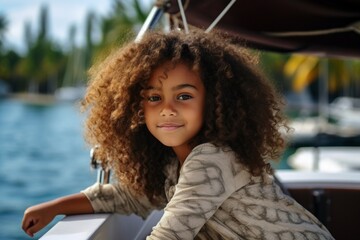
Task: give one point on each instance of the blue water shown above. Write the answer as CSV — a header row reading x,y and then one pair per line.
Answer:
x,y
42,156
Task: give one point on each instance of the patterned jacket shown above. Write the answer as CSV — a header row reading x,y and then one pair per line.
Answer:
x,y
214,197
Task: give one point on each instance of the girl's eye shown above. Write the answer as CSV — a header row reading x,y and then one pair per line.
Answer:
x,y
153,98
184,97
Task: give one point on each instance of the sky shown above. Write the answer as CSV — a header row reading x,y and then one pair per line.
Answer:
x,y
62,14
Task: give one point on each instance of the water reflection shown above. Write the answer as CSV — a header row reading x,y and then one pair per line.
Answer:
x,y
42,156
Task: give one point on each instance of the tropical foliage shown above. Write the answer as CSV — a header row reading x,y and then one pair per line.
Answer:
x,y
341,74
3,24
46,65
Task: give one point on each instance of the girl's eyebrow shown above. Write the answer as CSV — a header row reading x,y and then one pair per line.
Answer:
x,y
182,86
178,87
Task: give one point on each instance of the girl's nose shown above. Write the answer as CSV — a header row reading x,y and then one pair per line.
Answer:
x,y
168,110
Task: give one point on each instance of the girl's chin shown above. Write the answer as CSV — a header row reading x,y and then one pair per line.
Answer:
x,y
171,143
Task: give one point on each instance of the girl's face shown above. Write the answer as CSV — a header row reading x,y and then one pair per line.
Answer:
x,y
174,105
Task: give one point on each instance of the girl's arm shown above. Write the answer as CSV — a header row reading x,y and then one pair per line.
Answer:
x,y
118,198
38,216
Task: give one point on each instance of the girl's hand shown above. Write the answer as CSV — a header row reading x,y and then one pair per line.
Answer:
x,y
37,217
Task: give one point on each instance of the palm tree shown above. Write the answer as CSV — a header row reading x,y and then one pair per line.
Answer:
x,y
89,42
44,59
121,24
3,27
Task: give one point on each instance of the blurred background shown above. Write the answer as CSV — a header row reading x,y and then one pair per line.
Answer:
x,y
46,47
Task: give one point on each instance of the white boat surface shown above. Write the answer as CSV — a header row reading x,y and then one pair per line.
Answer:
x,y
103,226
346,112
317,186
326,159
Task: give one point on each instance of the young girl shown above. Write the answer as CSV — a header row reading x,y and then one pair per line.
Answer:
x,y
188,124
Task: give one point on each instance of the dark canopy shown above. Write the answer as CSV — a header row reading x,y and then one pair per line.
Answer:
x,y
322,27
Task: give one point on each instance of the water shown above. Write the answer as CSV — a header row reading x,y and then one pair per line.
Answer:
x,y
42,156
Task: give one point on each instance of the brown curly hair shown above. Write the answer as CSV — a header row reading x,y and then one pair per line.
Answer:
x,y
242,109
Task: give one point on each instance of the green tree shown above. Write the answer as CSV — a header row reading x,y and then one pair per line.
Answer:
x,y
273,65
121,24
3,28
8,64
89,42
44,60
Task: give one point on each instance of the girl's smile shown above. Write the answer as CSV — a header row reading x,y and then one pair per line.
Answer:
x,y
169,126
174,105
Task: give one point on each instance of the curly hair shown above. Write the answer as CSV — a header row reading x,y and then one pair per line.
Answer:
x,y
243,111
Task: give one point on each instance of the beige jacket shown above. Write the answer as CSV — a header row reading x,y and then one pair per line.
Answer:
x,y
215,197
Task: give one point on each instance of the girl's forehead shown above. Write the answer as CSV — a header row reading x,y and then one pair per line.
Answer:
x,y
158,75
161,72
175,71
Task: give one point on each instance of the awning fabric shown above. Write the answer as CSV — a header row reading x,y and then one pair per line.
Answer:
x,y
321,27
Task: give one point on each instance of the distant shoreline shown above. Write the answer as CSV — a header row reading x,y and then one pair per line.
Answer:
x,y
34,98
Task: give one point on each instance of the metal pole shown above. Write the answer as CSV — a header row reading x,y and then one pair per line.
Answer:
x,y
153,18
323,106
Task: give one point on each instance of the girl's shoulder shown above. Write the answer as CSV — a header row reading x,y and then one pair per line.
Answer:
x,y
211,150
209,154
207,159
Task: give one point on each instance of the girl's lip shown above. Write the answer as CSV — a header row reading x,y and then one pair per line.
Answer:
x,y
169,126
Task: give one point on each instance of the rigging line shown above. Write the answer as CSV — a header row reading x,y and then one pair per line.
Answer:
x,y
353,27
226,9
186,27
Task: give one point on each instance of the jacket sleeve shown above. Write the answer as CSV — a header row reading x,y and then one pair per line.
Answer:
x,y
115,198
206,180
